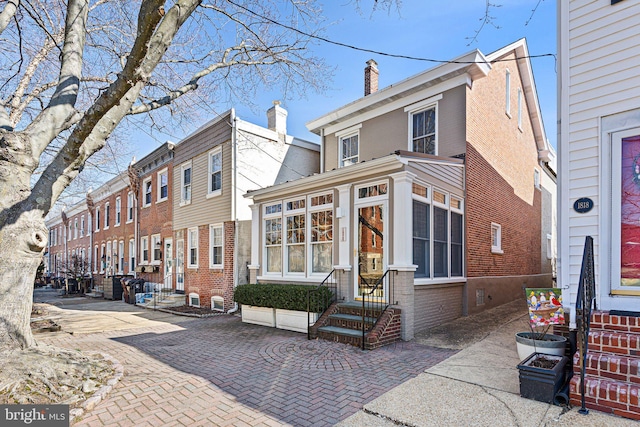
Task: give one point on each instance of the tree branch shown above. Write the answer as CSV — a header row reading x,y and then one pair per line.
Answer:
x,y
7,13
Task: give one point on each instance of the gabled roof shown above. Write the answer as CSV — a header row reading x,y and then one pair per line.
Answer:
x,y
474,64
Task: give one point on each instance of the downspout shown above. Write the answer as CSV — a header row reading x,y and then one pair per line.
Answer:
x,y
135,231
322,150
234,190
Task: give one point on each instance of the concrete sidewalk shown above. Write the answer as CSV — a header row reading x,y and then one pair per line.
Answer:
x,y
478,386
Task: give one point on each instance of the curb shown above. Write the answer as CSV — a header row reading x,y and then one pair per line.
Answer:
x,y
101,393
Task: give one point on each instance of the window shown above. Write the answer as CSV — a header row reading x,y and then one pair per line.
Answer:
x,y
437,233
96,259
194,300
520,108
82,226
156,248
146,188
321,234
273,243
216,246
295,243
69,233
349,150
496,238
75,228
121,259
130,206
215,172
132,255
536,178
424,131
107,213
192,247
507,94
103,258
118,209
185,184
108,259
97,219
163,185
144,249
217,303
549,247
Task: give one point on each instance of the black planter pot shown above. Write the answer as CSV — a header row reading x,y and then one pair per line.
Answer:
x,y
541,384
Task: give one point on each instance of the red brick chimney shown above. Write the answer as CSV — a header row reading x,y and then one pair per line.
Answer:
x,y
370,77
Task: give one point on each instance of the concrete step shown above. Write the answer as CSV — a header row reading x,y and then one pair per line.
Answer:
x,y
340,331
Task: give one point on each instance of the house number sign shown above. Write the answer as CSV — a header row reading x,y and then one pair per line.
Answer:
x,y
583,205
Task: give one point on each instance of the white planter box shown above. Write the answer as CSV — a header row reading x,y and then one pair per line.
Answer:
x,y
265,316
294,320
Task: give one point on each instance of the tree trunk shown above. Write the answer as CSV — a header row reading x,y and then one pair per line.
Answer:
x,y
21,246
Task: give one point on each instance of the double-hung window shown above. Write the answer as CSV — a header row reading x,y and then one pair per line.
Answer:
x,y
185,183
121,258
75,228
296,235
82,226
216,246
146,188
349,146
496,238
421,231
440,235
130,206
118,210
215,172
273,237
107,215
132,255
156,248
192,247
97,219
144,249
456,236
424,131
163,185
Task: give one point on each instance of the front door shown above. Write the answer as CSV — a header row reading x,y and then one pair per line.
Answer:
x,y
180,266
625,261
168,263
370,256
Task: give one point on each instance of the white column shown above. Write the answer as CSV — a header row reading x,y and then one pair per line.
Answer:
x,y
255,237
402,221
343,231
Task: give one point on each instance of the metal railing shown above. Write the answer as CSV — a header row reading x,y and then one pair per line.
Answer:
x,y
162,293
584,304
316,303
376,301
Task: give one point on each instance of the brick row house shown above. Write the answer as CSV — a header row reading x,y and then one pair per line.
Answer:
x,y
177,218
599,191
214,167
444,179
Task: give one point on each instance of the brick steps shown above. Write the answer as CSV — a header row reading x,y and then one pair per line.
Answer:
x,y
612,377
342,322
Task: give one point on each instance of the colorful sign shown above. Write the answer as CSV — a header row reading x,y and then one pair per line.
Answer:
x,y
545,306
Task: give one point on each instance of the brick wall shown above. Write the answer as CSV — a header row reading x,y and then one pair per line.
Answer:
x,y
435,305
208,282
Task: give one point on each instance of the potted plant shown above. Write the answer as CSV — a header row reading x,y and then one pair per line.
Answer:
x,y
545,310
542,376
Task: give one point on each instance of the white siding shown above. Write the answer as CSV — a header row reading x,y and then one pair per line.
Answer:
x,y
599,58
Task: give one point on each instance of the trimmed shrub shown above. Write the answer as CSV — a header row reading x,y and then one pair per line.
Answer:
x,y
287,297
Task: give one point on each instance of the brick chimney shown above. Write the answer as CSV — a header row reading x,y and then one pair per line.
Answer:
x,y
370,77
277,118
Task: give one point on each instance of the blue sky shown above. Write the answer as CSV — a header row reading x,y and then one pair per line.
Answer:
x,y
419,29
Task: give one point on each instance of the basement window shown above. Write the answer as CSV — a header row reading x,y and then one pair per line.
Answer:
x,y
194,300
217,303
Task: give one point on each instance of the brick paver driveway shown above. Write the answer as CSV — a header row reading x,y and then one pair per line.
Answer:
x,y
219,371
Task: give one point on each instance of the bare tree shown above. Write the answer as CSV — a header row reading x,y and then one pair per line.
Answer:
x,y
74,70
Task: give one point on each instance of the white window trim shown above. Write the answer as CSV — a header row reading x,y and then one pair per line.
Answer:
x,y
82,226
75,228
144,192
117,212
121,258
212,227
164,171
536,178
520,108
183,167
217,298
103,257
309,244
194,295
106,209
189,264
155,238
144,243
132,255
285,244
419,107
347,133
97,220
210,191
496,249
130,206
97,260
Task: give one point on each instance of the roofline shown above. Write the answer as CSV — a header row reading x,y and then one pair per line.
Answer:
x,y
473,62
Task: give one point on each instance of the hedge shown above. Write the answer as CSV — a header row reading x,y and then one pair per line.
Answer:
x,y
287,297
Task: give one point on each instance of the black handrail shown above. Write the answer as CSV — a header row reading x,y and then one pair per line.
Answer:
x,y
584,303
376,305
318,305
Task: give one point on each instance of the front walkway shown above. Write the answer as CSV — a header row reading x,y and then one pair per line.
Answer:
x,y
218,371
